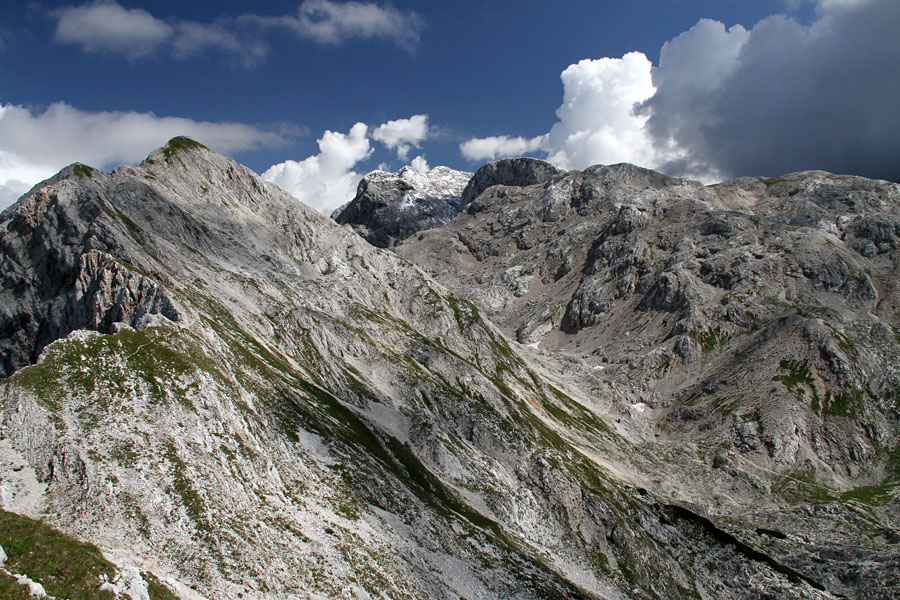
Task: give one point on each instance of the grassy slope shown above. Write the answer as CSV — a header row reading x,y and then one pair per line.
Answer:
x,y
65,567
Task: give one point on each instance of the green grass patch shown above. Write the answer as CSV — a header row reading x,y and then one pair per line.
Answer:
x,y
101,367
800,486
133,227
156,589
465,312
711,338
11,590
571,413
81,170
848,403
180,144
846,344
795,374
65,567
190,498
755,417
873,495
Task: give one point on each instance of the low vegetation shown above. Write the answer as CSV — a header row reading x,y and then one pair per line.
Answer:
x,y
65,567
81,170
180,144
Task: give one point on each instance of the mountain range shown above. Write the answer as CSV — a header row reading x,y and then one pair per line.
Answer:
x,y
527,383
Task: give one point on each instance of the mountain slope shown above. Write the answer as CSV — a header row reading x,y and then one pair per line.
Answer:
x,y
239,395
751,324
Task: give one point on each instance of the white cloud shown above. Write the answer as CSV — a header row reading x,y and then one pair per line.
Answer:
x,y
597,119
192,39
325,180
330,22
34,145
16,177
501,146
597,122
107,26
403,134
420,164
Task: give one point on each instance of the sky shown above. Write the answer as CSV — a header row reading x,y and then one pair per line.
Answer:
x,y
313,94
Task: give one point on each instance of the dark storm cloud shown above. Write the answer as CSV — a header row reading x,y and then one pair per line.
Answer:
x,y
783,96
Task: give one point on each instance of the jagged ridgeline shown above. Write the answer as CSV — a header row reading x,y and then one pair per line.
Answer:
x,y
233,396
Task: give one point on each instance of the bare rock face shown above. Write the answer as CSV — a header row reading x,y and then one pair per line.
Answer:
x,y
756,315
60,271
390,207
516,172
251,401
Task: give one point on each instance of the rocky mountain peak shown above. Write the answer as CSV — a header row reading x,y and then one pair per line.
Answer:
x,y
390,207
512,172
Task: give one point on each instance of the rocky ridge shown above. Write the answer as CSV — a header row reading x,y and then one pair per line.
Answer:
x,y
247,400
390,207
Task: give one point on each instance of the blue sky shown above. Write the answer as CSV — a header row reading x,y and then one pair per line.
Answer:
x,y
720,88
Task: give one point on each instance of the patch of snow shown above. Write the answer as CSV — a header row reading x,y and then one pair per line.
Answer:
x,y
439,182
638,407
408,202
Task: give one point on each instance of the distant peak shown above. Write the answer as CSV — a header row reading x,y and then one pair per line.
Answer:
x,y
510,171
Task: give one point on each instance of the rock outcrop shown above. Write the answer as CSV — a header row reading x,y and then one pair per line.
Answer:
x,y
516,172
390,207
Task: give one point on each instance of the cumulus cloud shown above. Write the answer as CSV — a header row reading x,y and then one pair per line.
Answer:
x,y
725,102
500,146
597,122
403,135
108,27
786,96
326,180
34,145
420,164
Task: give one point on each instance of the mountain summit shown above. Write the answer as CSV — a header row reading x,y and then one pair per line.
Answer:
x,y
390,207
233,396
